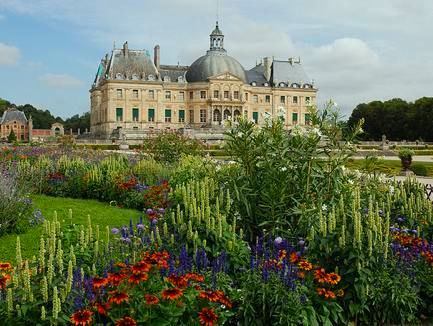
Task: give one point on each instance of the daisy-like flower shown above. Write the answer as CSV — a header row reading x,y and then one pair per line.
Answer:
x,y
333,278
115,278
138,278
5,266
99,282
102,308
305,265
321,291
294,257
4,278
195,277
118,297
320,275
329,295
81,317
126,321
207,317
141,267
171,294
178,281
151,299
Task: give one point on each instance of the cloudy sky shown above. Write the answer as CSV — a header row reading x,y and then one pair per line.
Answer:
x,y
355,51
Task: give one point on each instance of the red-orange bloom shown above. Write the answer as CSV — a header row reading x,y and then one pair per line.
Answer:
x,y
320,275
4,280
195,277
333,278
321,291
5,266
81,317
151,299
305,265
115,278
141,267
102,308
118,297
171,294
126,321
179,281
99,282
138,278
329,295
207,317
294,257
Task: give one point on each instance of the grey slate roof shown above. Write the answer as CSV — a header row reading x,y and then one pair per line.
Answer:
x,y
214,63
256,74
288,73
173,72
12,114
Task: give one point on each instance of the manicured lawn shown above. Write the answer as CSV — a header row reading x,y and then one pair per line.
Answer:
x,y
393,167
100,213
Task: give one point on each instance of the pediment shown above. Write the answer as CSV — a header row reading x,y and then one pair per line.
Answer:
x,y
225,76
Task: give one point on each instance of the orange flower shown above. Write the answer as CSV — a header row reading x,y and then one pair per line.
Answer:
x,y
171,294
305,265
321,291
151,299
207,317
118,297
126,321
4,278
141,267
333,278
294,258
195,277
5,266
179,281
320,275
81,317
115,278
282,254
99,282
102,308
329,295
138,278
301,274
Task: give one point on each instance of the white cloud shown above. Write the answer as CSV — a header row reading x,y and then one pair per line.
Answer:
x,y
9,55
60,81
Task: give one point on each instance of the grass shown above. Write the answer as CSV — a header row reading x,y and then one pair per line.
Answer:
x,y
100,213
391,167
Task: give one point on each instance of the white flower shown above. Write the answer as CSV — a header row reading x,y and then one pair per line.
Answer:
x,y
240,134
283,169
350,181
391,189
324,207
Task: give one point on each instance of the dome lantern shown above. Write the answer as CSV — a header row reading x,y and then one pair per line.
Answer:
x,y
217,40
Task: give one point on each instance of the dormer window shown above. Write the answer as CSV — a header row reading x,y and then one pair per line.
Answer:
x,y
266,84
282,85
119,76
180,79
253,83
135,77
295,85
167,79
151,77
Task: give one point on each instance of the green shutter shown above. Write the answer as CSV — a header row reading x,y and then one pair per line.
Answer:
x,y
119,114
294,117
151,115
135,114
168,113
256,116
181,115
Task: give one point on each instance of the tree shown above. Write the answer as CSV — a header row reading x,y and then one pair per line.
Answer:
x,y
12,137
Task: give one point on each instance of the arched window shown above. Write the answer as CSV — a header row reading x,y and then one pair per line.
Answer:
x,y
227,114
216,115
236,115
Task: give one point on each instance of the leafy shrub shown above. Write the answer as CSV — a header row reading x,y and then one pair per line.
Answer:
x,y
419,169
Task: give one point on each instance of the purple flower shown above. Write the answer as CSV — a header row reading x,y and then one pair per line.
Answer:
x,y
115,231
278,241
161,210
301,242
140,227
149,211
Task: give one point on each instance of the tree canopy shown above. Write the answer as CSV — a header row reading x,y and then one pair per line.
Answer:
x,y
396,118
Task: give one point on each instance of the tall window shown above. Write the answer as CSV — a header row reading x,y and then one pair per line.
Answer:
x,y
191,95
268,98
202,115
226,94
135,93
282,99
202,94
181,115
307,100
167,115
294,118
135,114
256,117
255,98
191,116
246,96
151,94
295,100
151,115
119,93
216,94
181,96
119,114
236,95
168,95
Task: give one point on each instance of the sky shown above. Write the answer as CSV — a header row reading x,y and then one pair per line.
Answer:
x,y
355,51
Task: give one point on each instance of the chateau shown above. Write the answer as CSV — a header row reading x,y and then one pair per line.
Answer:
x,y
133,94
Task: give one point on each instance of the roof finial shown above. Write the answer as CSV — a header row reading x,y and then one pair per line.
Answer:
x,y
217,12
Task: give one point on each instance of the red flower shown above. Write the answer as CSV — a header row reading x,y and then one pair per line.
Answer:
x,y
178,281
118,297
115,278
305,265
294,257
172,294
4,278
99,282
207,317
81,317
102,308
126,321
141,267
333,278
151,299
138,278
195,277
5,266
320,275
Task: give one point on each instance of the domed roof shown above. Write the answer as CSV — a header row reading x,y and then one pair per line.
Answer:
x,y
214,63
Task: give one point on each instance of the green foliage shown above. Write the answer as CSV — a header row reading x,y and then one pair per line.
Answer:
x,y
419,169
396,118
406,154
12,137
168,147
76,122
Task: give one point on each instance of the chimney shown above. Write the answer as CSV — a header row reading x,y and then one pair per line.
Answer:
x,y
156,56
125,49
267,63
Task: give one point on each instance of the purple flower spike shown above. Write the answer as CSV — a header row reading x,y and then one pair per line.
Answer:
x,y
115,231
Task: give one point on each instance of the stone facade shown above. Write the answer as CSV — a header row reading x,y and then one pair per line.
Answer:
x,y
132,92
15,120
